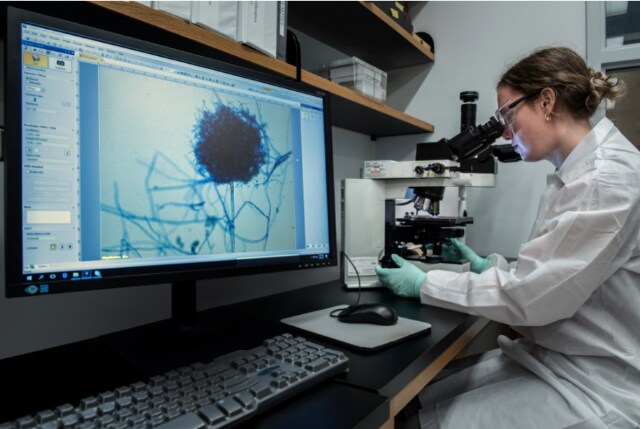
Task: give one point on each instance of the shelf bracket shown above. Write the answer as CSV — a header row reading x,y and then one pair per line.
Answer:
x,y
294,55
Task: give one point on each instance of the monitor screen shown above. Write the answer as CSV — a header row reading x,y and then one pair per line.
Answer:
x,y
129,163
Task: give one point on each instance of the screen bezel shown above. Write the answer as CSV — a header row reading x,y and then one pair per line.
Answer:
x,y
138,276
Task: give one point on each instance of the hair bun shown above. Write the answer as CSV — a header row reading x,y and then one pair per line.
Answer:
x,y
597,75
579,88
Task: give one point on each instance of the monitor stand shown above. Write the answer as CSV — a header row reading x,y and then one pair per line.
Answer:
x,y
184,305
184,338
183,329
184,313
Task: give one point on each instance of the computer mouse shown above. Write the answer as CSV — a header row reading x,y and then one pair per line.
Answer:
x,y
374,313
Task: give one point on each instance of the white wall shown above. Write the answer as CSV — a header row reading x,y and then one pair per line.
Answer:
x,y
474,41
474,44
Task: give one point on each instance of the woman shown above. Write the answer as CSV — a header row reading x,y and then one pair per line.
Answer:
x,y
574,292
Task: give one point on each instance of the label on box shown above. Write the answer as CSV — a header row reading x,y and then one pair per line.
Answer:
x,y
366,265
375,169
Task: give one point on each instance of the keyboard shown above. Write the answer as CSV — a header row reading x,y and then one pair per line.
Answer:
x,y
221,393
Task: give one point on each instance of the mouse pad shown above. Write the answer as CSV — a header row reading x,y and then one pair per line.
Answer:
x,y
362,336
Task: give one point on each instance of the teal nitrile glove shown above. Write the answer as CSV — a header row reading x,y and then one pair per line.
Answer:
x,y
405,280
456,250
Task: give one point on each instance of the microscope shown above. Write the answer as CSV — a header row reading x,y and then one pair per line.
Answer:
x,y
411,208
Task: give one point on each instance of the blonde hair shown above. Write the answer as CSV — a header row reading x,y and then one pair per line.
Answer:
x,y
579,89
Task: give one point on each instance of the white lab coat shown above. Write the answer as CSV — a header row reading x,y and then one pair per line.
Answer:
x,y
574,294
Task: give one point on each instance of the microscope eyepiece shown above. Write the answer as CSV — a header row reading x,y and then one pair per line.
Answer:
x,y
468,109
475,139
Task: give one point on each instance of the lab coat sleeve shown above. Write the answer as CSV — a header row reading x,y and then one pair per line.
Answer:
x,y
580,243
499,261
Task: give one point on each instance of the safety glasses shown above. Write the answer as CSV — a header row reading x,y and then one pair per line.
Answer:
x,y
507,113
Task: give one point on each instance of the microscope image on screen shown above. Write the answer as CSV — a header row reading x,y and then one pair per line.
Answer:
x,y
131,162
204,174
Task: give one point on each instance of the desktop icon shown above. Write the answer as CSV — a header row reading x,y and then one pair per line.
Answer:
x,y
97,273
29,278
65,275
33,289
75,275
44,288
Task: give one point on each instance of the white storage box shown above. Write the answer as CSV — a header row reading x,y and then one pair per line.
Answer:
x,y
220,16
360,76
181,9
263,26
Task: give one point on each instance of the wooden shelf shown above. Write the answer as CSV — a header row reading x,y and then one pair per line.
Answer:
x,y
350,109
360,29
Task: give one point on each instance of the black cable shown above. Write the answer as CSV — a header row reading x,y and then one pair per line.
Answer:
x,y
407,202
1,144
359,288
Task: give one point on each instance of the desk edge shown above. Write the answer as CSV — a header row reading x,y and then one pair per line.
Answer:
x,y
406,394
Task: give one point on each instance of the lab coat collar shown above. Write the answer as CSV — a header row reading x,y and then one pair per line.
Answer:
x,y
584,151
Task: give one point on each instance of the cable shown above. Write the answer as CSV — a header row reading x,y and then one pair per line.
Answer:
x,y
359,288
407,202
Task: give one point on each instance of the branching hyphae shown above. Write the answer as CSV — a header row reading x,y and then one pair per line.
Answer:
x,y
220,190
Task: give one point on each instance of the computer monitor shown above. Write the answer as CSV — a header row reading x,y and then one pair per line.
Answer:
x,y
129,163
